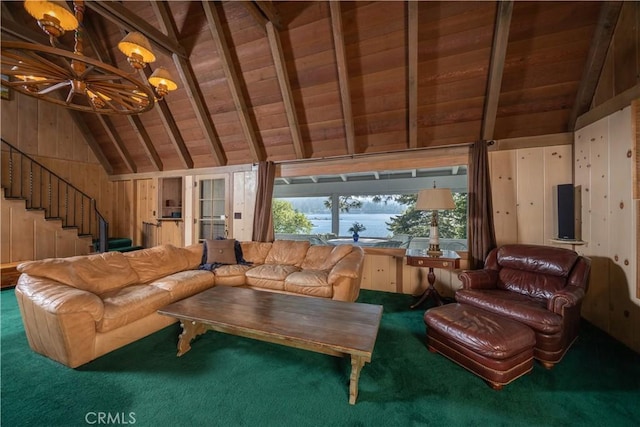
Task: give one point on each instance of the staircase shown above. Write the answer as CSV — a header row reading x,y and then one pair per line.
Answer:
x,y
41,190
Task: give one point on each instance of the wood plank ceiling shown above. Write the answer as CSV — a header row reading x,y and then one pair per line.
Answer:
x,y
301,80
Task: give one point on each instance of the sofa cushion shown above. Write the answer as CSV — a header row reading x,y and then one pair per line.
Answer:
x,y
185,283
193,255
255,252
97,273
231,275
220,251
287,252
530,311
335,256
126,305
316,257
270,276
529,283
159,261
309,282
324,257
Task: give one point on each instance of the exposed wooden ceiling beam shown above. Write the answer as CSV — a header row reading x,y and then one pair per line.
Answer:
x,y
496,67
136,123
234,80
169,123
173,132
609,13
121,16
343,75
285,89
79,121
256,14
192,87
144,138
609,107
107,124
412,72
269,11
21,32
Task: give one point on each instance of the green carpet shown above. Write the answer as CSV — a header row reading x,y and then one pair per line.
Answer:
x,y
232,381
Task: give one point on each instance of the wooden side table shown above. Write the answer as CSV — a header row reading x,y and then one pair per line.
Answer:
x,y
449,260
9,275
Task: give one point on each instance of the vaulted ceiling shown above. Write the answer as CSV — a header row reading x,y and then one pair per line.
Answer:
x,y
280,81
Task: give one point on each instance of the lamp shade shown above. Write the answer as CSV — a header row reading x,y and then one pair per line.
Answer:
x,y
161,76
435,199
55,9
135,43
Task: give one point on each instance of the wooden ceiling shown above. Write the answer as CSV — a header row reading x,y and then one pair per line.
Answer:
x,y
295,80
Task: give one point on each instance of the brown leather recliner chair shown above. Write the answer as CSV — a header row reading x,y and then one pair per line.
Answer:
x,y
539,286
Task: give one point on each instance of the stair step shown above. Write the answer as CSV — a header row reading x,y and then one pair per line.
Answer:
x,y
126,249
53,218
119,242
36,209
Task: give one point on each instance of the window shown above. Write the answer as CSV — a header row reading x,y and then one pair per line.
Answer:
x,y
324,208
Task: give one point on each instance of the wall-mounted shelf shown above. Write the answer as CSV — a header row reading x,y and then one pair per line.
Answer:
x,y
568,242
170,199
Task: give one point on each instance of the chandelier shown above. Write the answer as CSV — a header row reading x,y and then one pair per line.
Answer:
x,y
73,80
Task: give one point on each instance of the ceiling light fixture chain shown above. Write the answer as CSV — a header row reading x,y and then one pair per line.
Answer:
x,y
73,80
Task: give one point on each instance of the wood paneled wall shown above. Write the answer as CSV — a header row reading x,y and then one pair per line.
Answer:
x,y
522,184
604,167
49,135
243,204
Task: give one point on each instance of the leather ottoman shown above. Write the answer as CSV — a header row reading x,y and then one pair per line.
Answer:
x,y
495,348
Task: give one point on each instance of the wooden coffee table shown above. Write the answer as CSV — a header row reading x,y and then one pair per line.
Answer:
x,y
317,324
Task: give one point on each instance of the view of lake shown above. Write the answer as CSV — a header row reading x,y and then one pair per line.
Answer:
x,y
375,223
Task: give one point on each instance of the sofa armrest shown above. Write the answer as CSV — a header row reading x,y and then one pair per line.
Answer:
x,y
479,279
569,296
349,266
57,298
346,275
59,320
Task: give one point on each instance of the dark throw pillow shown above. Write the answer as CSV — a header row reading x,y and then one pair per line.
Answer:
x,y
220,251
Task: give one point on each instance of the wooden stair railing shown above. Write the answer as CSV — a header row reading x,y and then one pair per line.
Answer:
x,y
24,178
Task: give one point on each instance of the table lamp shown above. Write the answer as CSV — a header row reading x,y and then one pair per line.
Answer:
x,y
434,199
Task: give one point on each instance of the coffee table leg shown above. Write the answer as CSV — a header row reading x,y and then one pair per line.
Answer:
x,y
190,330
357,363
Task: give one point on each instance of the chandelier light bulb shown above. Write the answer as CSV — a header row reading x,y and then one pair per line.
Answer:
x,y
54,17
137,49
163,82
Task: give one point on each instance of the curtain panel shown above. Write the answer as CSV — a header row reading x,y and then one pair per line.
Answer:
x,y
481,226
263,218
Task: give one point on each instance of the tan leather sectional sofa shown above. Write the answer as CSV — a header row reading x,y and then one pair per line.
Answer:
x,y
80,308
